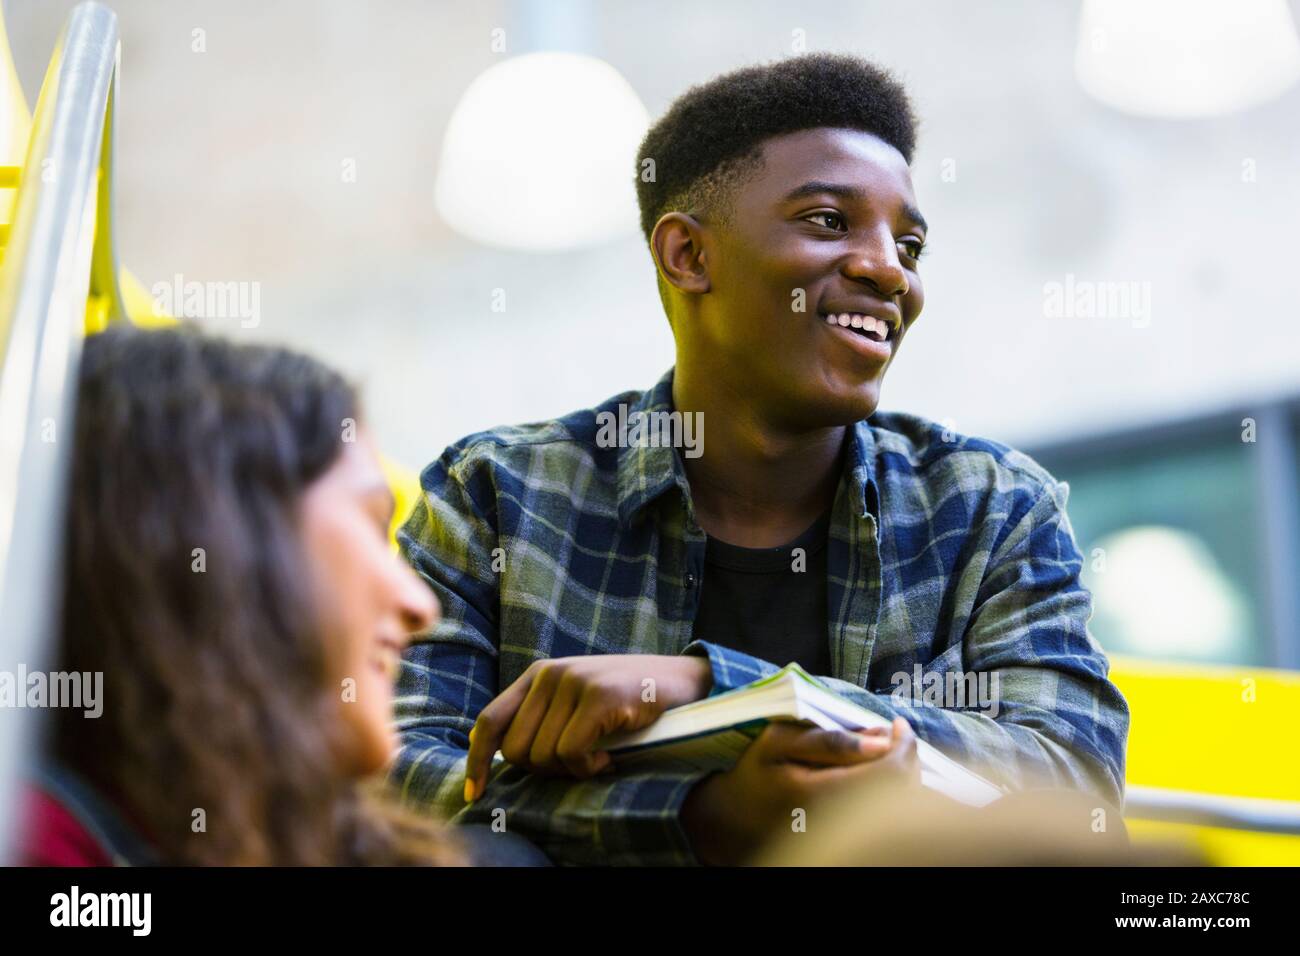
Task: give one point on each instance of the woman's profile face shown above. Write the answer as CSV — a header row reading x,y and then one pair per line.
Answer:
x,y
368,600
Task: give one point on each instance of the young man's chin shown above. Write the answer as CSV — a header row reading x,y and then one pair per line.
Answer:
x,y
848,407
854,401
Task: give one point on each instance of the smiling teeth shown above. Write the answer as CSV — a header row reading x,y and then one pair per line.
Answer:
x,y
865,322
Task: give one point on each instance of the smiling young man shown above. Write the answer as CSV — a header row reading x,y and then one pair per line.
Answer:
x,y
779,210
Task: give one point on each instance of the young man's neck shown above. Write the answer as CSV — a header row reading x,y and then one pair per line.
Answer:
x,y
755,485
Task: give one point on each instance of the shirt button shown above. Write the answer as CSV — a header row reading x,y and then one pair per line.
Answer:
x,y
690,580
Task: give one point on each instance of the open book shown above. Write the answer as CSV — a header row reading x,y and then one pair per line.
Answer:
x,y
711,733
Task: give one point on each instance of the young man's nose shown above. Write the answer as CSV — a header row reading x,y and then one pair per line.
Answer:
x,y
876,262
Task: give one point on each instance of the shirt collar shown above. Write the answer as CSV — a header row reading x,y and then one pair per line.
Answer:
x,y
645,471
860,470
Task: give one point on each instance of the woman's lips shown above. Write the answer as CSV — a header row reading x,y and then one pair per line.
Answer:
x,y
387,658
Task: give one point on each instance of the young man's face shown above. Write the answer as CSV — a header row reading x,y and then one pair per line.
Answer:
x,y
831,212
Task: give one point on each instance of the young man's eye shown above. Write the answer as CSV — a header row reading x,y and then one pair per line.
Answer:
x,y
831,220
912,248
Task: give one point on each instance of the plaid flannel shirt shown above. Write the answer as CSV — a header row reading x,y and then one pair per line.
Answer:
x,y
948,552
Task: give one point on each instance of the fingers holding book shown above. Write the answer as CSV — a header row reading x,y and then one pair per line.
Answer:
x,y
549,720
789,767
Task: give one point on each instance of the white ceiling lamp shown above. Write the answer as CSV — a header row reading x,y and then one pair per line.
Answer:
x,y
540,154
1186,58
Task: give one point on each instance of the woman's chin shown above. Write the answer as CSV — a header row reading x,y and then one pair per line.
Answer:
x,y
373,744
374,756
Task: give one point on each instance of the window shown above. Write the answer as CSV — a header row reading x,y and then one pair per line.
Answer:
x,y
1189,534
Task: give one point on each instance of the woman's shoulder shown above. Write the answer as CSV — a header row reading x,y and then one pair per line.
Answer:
x,y
54,836
70,823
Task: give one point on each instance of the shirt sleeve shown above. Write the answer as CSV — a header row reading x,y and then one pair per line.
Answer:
x,y
1059,721
451,673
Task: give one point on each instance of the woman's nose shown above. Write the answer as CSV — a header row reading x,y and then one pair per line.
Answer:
x,y
419,605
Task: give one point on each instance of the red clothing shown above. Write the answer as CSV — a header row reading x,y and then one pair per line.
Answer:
x,y
54,837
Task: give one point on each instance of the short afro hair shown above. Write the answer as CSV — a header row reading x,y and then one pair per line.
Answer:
x,y
712,135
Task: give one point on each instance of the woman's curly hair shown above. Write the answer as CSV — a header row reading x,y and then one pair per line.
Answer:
x,y
184,584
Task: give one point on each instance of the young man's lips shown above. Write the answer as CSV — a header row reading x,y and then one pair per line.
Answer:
x,y
868,348
877,309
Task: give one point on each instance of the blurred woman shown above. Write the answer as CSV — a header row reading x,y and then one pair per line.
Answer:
x,y
227,569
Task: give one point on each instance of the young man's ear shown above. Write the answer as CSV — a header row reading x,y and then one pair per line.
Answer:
x,y
679,252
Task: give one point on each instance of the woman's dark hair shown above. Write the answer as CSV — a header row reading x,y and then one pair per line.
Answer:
x,y
184,584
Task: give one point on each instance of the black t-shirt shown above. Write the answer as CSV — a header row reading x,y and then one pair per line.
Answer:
x,y
756,601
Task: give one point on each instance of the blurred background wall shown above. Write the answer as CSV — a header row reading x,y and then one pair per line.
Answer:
x,y
293,147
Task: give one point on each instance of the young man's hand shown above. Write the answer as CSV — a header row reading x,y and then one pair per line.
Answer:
x,y
549,719
727,816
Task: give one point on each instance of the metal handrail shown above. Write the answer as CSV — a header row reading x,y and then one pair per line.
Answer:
x,y
1211,810
45,283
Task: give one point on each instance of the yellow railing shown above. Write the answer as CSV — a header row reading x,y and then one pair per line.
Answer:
x,y
1215,744
58,270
